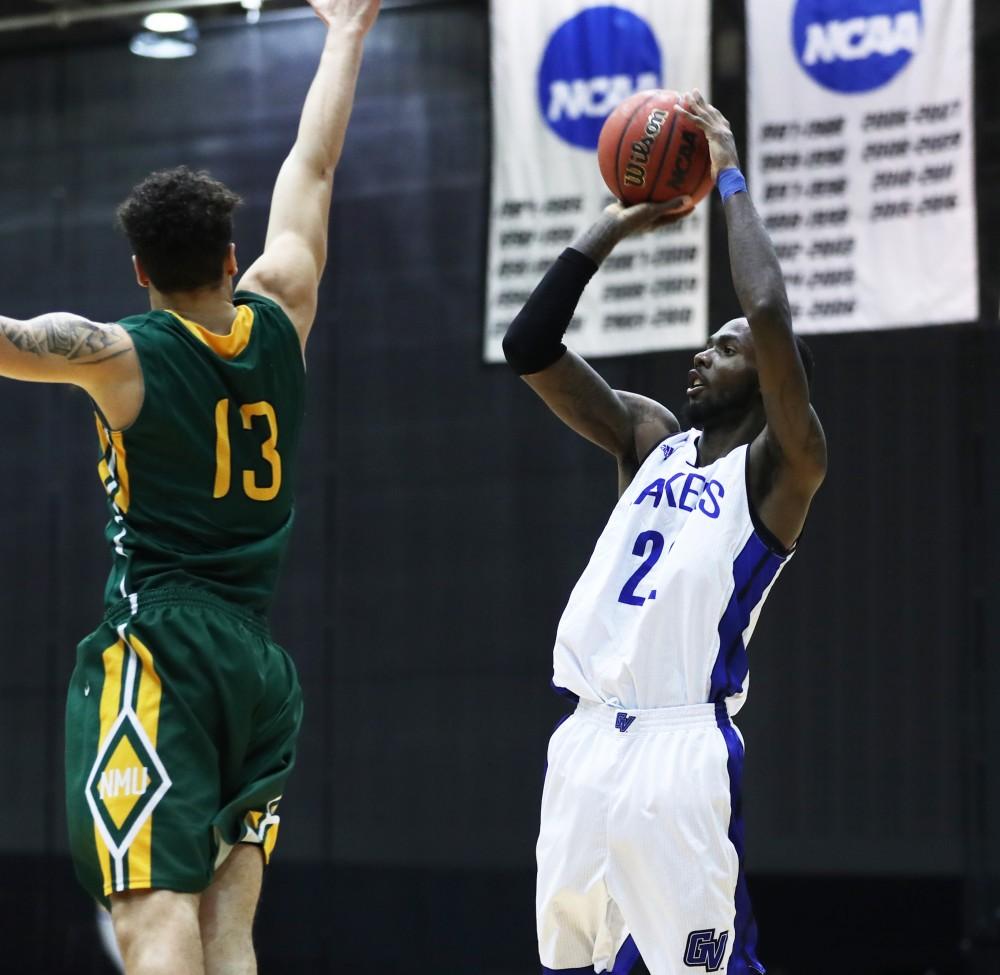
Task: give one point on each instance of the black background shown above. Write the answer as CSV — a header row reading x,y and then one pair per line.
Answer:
x,y
444,516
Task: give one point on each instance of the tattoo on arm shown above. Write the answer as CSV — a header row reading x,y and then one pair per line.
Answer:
x,y
75,339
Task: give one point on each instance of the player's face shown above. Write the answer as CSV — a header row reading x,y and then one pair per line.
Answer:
x,y
723,383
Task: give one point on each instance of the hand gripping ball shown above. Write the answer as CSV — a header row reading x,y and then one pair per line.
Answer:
x,y
649,153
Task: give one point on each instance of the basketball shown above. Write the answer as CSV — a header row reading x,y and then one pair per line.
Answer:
x,y
648,153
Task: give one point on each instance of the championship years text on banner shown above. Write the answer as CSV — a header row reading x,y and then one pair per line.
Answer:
x,y
861,147
559,68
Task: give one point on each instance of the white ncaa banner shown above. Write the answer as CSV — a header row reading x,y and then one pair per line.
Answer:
x,y
861,158
559,68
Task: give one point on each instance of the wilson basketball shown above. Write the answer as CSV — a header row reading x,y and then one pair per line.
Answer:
x,y
648,153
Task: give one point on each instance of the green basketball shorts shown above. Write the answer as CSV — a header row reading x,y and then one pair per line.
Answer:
x,y
181,725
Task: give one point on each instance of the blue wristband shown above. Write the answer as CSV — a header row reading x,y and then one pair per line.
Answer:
x,y
730,181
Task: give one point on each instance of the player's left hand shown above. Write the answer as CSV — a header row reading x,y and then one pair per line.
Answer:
x,y
358,15
721,144
640,218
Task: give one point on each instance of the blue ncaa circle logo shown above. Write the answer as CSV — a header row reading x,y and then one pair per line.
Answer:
x,y
592,63
853,46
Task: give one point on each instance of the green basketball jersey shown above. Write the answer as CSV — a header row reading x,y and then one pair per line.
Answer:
x,y
200,485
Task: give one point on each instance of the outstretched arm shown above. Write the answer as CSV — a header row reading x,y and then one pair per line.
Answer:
x,y
294,255
626,425
788,460
58,347
65,348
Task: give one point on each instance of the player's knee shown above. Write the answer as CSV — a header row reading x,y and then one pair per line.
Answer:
x,y
145,953
155,928
128,921
149,959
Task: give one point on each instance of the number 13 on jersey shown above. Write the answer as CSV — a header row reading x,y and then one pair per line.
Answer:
x,y
268,451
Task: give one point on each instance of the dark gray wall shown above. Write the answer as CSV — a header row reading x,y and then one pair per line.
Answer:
x,y
443,516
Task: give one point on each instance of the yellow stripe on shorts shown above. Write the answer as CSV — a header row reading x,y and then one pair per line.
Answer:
x,y
111,693
147,710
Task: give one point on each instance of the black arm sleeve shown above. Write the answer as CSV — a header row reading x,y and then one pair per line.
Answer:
x,y
534,340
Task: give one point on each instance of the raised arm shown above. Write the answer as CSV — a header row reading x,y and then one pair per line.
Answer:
x,y
626,425
294,255
788,459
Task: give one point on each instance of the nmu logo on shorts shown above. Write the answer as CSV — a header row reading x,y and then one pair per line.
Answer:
x,y
126,783
854,46
592,63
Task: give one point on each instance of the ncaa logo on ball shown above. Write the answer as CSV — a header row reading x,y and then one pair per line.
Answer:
x,y
853,46
592,63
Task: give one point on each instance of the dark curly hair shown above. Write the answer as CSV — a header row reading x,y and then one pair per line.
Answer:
x,y
180,224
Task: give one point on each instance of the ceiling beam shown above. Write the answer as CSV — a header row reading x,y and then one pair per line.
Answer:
x,y
61,19
110,11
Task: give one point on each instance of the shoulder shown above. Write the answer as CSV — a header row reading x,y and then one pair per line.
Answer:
x,y
264,304
255,299
133,322
296,295
279,332
642,408
652,422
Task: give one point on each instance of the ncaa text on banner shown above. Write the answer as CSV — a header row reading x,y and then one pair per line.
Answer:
x,y
853,46
592,63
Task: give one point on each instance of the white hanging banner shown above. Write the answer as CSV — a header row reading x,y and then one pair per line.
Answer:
x,y
559,68
861,149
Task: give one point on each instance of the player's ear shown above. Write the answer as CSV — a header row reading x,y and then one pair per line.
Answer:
x,y
140,275
231,268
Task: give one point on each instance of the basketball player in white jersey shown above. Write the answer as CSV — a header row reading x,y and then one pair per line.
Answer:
x,y
641,842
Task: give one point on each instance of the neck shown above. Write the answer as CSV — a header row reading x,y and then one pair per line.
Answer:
x,y
211,308
723,434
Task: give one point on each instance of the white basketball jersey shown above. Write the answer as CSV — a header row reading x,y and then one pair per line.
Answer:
x,y
666,606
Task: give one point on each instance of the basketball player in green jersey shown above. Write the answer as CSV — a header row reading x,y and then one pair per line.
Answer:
x,y
182,714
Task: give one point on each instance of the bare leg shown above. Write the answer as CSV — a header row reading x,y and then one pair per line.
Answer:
x,y
227,911
157,932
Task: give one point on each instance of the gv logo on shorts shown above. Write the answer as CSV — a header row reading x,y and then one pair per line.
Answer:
x,y
705,950
623,721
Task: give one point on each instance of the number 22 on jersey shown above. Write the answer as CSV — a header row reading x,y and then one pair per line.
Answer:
x,y
268,451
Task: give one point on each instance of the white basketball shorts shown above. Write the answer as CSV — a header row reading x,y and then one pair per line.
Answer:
x,y
641,844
